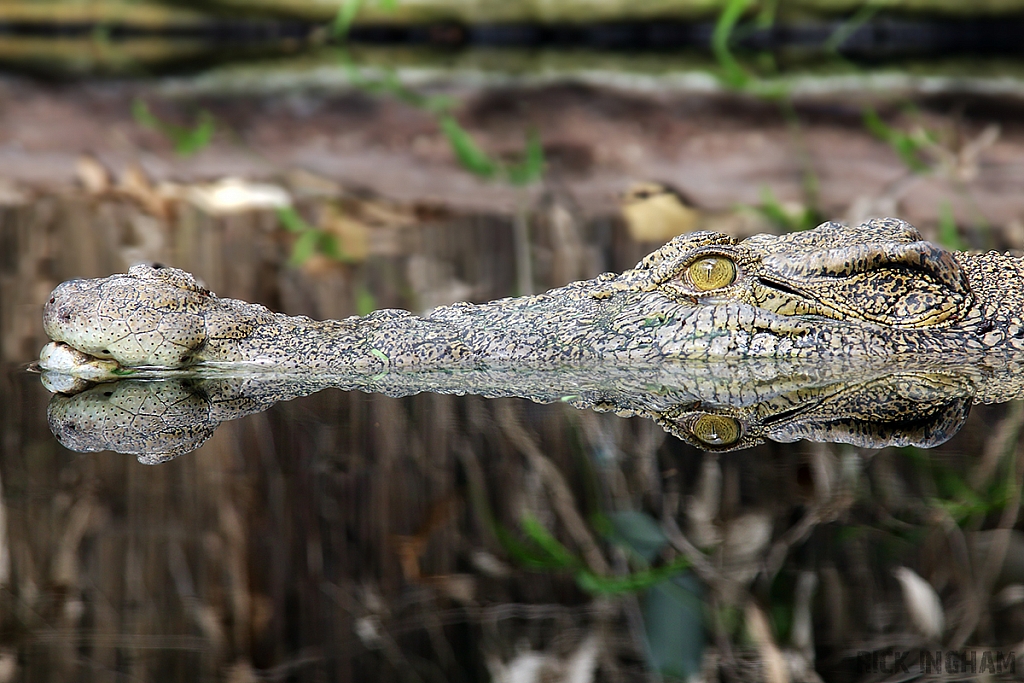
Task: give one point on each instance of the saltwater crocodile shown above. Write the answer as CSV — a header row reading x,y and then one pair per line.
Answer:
x,y
875,290
869,335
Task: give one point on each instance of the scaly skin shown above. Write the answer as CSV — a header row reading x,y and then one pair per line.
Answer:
x,y
877,290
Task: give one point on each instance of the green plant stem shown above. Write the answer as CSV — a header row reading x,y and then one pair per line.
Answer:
x,y
733,74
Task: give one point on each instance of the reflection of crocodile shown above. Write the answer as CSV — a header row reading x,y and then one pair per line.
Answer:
x,y
714,405
833,291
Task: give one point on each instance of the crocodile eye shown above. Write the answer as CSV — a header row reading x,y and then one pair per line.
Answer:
x,y
711,272
716,430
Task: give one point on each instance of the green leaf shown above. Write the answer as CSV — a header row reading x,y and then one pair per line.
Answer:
x,y
875,125
557,552
523,553
331,247
904,145
343,19
850,26
630,583
143,116
532,166
292,221
469,154
766,15
773,210
365,303
304,247
186,141
733,75
439,104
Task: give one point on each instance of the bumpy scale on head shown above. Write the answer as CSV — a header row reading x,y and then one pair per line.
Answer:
x,y
149,316
881,273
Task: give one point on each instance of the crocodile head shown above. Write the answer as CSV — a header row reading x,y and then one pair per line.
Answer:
x,y
147,316
881,272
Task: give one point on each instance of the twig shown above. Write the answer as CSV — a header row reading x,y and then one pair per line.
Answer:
x,y
561,497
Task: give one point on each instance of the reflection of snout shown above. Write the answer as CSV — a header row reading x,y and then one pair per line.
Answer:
x,y
155,421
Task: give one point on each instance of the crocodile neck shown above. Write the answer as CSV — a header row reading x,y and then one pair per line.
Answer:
x,y
997,282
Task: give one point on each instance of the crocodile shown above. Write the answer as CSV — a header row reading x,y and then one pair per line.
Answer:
x,y
877,290
865,335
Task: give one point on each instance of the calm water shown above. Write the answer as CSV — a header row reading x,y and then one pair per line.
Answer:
x,y
352,536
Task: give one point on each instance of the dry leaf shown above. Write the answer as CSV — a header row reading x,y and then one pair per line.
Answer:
x,y
489,565
745,537
656,213
775,668
11,195
241,672
385,215
458,587
234,195
540,667
135,184
702,507
92,174
304,183
802,631
8,664
353,235
923,604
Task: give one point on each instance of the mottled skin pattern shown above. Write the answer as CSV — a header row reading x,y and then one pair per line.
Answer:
x,y
876,290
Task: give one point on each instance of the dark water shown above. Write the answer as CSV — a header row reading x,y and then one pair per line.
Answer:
x,y
353,536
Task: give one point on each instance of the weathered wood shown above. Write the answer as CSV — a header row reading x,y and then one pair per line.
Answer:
x,y
496,11
88,55
151,14
651,72
136,13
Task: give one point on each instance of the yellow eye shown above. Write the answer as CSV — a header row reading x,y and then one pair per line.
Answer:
x,y
716,430
711,272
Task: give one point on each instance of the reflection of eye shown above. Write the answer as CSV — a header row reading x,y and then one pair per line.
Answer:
x,y
716,430
711,272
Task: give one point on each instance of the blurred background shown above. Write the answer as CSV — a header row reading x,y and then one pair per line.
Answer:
x,y
329,158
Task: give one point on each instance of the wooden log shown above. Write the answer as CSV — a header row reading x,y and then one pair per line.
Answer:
x,y
572,11
143,14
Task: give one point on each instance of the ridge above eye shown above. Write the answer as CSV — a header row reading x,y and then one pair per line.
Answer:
x,y
713,271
